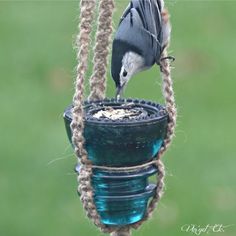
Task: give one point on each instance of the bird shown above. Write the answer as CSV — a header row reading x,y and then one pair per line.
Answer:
x,y
142,35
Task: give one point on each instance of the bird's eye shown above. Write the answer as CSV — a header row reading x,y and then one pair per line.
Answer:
x,y
125,73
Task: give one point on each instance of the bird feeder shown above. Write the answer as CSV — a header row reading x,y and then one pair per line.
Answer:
x,y
121,197
118,142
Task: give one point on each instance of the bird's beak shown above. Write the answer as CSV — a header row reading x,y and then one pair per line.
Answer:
x,y
119,91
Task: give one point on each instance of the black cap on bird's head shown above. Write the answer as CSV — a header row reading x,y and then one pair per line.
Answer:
x,y
116,61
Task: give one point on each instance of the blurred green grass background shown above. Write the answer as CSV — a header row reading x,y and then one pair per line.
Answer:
x,y
37,183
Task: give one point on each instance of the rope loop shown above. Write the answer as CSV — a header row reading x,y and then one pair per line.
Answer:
x,y
98,89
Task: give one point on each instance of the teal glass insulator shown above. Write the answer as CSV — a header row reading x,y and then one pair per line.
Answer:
x,y
124,209
121,197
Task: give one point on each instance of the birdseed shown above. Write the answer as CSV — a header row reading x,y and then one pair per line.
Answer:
x,y
119,113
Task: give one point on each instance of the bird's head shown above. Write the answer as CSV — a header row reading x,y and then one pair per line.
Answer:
x,y
131,63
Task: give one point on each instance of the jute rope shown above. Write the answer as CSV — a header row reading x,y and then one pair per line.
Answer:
x,y
87,9
97,83
171,109
124,231
168,94
101,51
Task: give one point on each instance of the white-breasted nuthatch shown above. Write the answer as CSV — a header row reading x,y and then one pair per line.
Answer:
x,y
142,35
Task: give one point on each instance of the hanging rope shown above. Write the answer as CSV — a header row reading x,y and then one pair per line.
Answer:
x,y
87,9
103,37
170,107
167,88
168,94
98,87
124,231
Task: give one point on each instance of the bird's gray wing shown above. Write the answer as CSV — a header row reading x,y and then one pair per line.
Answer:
x,y
125,13
136,37
150,15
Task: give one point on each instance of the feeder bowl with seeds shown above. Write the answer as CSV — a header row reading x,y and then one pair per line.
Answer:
x,y
122,133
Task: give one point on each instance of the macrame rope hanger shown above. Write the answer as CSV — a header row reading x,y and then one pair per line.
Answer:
x,y
97,92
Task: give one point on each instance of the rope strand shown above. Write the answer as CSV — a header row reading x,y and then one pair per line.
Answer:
x,y
168,94
124,231
98,87
77,125
100,60
87,8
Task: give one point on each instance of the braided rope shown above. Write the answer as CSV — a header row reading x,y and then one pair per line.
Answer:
x,y
170,107
167,87
103,37
87,8
168,94
158,194
124,231
97,83
86,190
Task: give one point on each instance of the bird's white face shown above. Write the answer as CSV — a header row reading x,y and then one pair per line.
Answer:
x,y
132,63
